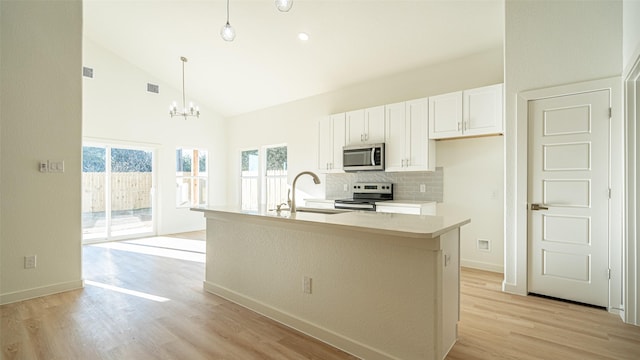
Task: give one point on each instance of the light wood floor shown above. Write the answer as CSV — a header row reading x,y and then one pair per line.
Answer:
x,y
184,322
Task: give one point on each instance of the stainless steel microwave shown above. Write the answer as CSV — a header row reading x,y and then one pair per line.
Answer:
x,y
363,157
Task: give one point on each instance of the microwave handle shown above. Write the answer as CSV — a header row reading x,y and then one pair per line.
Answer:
x,y
373,156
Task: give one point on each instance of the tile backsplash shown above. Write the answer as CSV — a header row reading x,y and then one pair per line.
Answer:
x,y
406,185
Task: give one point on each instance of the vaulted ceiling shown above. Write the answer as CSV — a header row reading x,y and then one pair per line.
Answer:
x,y
350,41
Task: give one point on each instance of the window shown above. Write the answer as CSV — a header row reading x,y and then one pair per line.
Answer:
x,y
276,176
273,189
191,177
249,180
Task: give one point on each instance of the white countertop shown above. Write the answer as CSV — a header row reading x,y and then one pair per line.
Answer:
x,y
412,226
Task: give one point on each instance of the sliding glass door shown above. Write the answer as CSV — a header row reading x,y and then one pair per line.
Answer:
x,y
117,192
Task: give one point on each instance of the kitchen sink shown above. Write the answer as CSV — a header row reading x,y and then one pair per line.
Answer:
x,y
320,211
314,210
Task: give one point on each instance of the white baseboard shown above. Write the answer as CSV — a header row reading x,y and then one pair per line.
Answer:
x,y
343,343
40,291
499,268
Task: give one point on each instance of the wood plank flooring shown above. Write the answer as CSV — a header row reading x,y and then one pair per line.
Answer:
x,y
139,306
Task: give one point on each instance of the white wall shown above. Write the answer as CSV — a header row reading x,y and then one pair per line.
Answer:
x,y
41,119
548,43
296,124
474,185
630,32
117,108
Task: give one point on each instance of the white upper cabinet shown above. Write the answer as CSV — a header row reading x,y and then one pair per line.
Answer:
x,y
365,126
330,142
466,113
445,115
482,110
407,144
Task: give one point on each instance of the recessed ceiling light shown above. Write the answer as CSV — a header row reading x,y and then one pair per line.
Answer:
x,y
303,36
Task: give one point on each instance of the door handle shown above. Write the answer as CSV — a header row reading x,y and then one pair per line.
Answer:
x,y
538,207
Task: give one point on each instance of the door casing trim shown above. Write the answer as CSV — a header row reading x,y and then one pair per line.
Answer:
x,y
518,207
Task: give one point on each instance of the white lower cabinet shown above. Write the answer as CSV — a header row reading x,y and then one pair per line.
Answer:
x,y
407,207
408,147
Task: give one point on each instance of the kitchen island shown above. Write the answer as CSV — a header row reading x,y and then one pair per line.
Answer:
x,y
377,285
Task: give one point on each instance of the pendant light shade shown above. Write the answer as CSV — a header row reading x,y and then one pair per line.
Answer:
x,y
284,5
227,32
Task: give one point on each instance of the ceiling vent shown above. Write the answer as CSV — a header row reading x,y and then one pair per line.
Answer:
x,y
153,88
87,72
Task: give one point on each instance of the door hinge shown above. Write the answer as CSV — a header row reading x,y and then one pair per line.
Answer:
x,y
609,193
610,111
609,273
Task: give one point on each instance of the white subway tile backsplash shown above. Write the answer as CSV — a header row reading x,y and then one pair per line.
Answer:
x,y
406,185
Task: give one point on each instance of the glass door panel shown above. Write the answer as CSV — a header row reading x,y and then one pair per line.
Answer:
x,y
94,215
131,192
117,193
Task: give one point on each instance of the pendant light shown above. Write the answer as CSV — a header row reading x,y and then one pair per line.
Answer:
x,y
186,112
284,5
227,32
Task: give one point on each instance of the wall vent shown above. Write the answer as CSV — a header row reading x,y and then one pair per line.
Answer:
x,y
484,245
153,88
87,72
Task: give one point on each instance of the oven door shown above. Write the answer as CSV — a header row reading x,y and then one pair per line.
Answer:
x,y
363,157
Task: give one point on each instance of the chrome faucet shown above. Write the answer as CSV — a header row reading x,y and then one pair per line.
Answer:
x,y
292,204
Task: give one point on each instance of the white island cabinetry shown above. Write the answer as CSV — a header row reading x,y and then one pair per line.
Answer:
x,y
382,286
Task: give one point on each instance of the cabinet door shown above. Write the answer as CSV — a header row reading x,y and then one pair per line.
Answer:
x,y
325,144
355,126
420,151
331,139
395,137
339,141
445,115
374,125
482,112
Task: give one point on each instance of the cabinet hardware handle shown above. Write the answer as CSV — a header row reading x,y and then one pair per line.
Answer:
x,y
459,126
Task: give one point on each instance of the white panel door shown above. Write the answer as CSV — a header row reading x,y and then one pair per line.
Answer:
x,y
569,181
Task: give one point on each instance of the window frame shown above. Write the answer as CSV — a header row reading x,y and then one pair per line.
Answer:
x,y
195,178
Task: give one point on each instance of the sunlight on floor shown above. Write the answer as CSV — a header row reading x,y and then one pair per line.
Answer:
x,y
182,249
126,291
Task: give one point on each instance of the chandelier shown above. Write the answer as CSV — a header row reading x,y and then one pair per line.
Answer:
x,y
185,112
228,33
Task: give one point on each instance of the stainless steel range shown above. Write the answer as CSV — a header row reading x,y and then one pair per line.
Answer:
x,y
365,195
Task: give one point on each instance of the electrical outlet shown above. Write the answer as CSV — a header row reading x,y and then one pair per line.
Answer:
x,y
345,188
30,262
306,285
423,188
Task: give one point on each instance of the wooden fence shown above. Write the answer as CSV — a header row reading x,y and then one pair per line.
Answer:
x,y
129,191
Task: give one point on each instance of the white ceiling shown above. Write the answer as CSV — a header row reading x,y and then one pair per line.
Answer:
x,y
351,41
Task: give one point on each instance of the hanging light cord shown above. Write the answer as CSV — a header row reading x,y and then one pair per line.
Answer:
x,y
184,101
227,12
